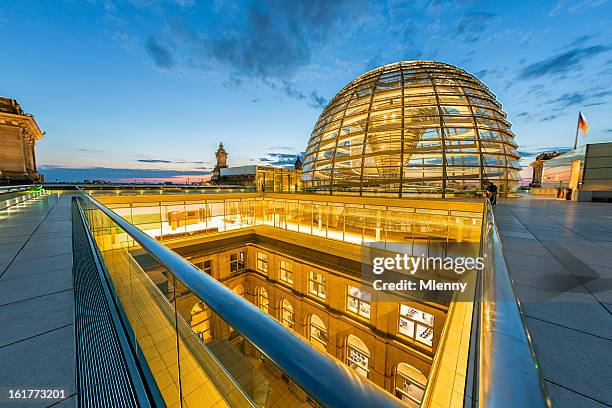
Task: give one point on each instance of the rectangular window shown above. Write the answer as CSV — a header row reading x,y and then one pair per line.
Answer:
x,y
416,324
238,261
262,262
206,266
316,284
286,274
358,301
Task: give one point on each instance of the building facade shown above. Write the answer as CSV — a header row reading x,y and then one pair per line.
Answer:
x,y
19,133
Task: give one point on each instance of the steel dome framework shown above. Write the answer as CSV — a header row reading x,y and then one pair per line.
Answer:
x,y
412,128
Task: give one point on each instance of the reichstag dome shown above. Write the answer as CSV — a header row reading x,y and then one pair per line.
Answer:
x,y
412,128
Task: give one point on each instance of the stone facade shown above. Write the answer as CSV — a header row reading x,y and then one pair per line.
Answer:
x,y
18,136
387,348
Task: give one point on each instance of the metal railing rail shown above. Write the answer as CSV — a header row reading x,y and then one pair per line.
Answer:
x,y
325,380
508,373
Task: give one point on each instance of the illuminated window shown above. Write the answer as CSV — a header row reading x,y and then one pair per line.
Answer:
x,y
410,385
237,261
262,299
200,321
206,266
416,324
357,356
316,284
359,301
262,262
287,317
286,274
318,333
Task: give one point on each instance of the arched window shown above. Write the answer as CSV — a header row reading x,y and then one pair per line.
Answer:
x,y
410,385
239,289
262,299
357,355
200,321
317,333
287,317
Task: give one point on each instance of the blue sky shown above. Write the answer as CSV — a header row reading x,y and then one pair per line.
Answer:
x,y
129,89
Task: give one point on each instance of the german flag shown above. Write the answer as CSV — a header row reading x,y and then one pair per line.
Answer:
x,y
582,123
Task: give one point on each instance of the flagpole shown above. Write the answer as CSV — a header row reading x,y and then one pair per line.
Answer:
x,y
577,127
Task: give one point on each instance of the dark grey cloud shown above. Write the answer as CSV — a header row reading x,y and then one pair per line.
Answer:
x,y
472,25
153,161
288,89
274,40
317,101
269,42
562,63
70,174
590,97
161,56
550,117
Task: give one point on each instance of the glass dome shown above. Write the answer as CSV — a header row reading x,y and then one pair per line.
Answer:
x,y
412,128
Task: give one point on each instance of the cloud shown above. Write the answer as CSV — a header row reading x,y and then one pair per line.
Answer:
x,y
161,56
170,161
61,173
472,25
290,91
562,63
550,117
274,40
573,6
82,149
153,161
317,101
590,97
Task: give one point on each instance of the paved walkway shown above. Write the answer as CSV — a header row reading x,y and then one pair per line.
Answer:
x,y
36,300
560,256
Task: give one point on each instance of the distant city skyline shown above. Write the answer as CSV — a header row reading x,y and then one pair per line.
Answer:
x,y
146,90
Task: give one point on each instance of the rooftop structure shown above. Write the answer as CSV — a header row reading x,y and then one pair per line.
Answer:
x,y
586,170
538,166
262,178
221,156
412,128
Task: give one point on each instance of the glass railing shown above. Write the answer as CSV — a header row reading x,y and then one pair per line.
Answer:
x,y
507,373
239,356
352,220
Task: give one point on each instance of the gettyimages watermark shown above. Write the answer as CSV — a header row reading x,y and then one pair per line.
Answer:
x,y
431,272
410,264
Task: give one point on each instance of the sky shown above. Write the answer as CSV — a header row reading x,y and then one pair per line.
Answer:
x,y
145,90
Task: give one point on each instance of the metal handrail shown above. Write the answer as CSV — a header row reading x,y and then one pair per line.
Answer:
x,y
325,380
508,373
